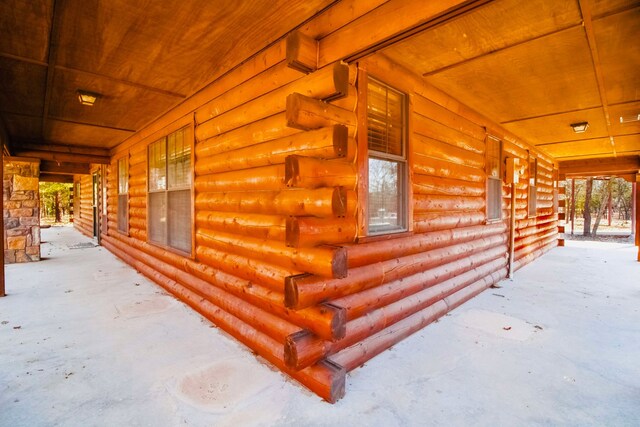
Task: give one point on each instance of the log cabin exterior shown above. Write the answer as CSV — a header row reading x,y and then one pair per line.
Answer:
x,y
321,200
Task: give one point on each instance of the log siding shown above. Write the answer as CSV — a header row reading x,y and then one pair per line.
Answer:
x,y
278,197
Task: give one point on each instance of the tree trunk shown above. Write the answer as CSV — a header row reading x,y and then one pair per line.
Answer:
x,y
587,208
56,207
604,204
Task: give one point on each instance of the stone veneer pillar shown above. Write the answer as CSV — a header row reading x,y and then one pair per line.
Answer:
x,y
21,210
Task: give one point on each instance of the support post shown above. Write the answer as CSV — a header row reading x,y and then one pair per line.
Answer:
x,y
512,230
636,213
634,209
2,288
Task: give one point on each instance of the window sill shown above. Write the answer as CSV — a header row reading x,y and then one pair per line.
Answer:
x,y
494,221
381,237
173,250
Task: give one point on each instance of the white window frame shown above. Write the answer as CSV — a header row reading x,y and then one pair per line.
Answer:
x,y
402,216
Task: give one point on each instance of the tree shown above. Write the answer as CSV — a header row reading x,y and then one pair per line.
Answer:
x,y
603,197
54,200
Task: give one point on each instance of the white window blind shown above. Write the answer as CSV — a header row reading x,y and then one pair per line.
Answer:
x,y
170,191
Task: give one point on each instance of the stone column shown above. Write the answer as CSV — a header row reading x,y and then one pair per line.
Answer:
x,y
21,199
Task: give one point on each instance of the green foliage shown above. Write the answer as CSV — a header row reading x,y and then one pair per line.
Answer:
x,y
54,194
620,192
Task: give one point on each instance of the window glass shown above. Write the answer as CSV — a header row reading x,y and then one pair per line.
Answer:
x,y
494,178
158,165
170,172
123,197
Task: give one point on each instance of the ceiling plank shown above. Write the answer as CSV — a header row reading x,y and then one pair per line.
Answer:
x,y
585,7
556,128
598,147
25,28
73,133
376,30
524,81
122,81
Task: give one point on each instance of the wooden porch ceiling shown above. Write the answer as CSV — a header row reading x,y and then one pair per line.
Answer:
x,y
142,57
534,66
538,66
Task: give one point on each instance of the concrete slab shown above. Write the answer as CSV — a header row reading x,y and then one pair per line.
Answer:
x,y
85,340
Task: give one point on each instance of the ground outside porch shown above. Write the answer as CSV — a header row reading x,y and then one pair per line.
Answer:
x,y
88,341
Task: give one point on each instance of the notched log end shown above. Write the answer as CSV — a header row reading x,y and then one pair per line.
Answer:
x,y
291,170
302,52
291,345
338,320
339,265
338,380
340,81
292,114
291,290
292,232
340,140
339,202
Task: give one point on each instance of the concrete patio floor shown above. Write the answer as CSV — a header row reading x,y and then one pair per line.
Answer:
x,y
87,341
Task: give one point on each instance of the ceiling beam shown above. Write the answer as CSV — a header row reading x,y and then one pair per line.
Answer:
x,y
59,148
62,157
56,22
64,168
585,9
600,166
65,179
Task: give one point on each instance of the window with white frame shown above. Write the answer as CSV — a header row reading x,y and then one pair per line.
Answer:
x,y
123,195
494,178
533,186
169,207
387,159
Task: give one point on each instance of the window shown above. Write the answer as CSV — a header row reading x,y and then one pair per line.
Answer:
x,y
123,195
387,186
533,183
494,178
170,191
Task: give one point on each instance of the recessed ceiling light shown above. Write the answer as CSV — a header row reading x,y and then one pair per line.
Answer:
x,y
87,98
580,127
628,118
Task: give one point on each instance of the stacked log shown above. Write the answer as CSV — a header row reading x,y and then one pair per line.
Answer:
x,y
277,261
83,212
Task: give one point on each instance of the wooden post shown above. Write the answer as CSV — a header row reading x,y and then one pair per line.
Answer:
x,y
636,213
512,230
634,209
2,289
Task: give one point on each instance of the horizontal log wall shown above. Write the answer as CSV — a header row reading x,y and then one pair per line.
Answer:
x,y
276,261
396,286
83,204
255,170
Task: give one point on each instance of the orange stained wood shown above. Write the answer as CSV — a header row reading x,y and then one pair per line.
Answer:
x,y
561,63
